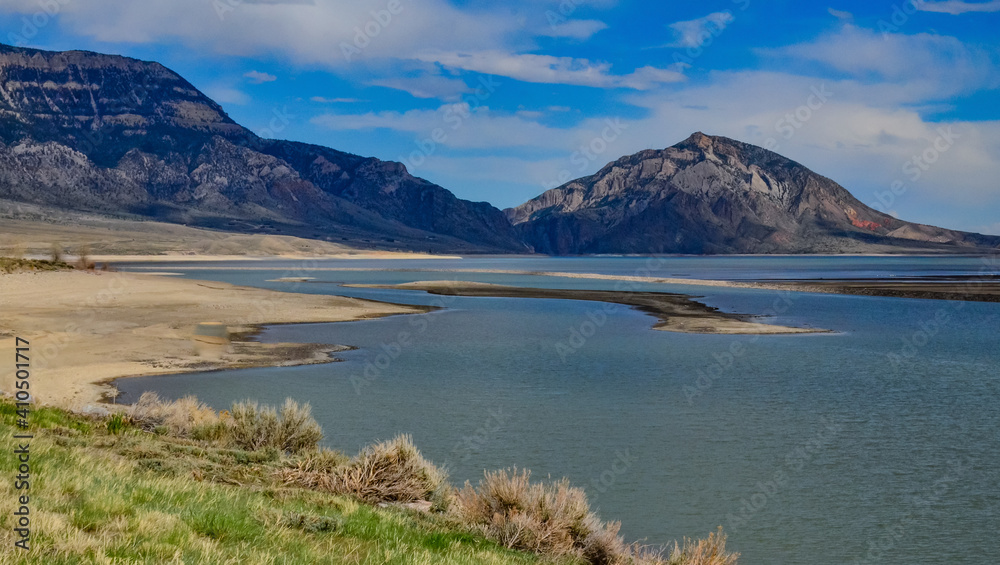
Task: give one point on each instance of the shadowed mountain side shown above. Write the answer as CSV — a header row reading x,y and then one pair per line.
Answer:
x,y
110,134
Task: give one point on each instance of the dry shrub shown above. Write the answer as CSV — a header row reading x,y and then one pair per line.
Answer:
x,y
186,417
322,460
552,519
391,471
292,430
84,263
709,551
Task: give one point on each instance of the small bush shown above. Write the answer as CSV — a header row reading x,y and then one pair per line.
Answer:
x,y
83,262
552,519
297,430
320,461
293,430
709,551
391,471
186,417
253,427
117,424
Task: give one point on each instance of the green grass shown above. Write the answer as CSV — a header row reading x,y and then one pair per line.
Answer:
x,y
139,497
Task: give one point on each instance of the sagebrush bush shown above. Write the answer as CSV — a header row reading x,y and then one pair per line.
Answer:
x,y
390,471
709,551
297,430
253,426
322,460
186,417
248,425
552,519
292,430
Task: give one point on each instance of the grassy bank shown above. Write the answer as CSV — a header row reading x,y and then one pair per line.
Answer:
x,y
182,485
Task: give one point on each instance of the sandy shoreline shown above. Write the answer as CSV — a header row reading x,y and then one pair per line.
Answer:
x,y
86,329
675,312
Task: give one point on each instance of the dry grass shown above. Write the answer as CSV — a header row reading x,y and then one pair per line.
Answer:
x,y
552,519
555,520
390,471
709,551
186,417
292,429
248,425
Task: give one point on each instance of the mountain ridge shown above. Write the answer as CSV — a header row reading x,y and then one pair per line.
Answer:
x,y
111,134
712,194
108,134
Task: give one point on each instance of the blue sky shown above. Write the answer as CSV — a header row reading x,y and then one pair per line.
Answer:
x,y
897,101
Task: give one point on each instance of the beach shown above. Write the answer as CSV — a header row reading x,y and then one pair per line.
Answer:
x,y
88,328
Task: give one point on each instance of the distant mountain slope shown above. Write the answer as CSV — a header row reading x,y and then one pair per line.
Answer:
x,y
110,134
717,195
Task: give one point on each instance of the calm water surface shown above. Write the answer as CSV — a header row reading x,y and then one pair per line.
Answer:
x,y
875,444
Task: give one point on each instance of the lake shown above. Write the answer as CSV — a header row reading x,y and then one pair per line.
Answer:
x,y
878,443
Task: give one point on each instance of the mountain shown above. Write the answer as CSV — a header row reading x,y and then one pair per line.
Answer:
x,y
106,134
113,135
712,194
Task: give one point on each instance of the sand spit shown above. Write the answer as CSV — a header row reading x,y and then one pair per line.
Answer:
x,y
86,328
676,312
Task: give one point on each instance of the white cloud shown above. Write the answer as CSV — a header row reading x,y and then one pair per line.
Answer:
x,y
352,38
841,14
227,95
957,7
926,62
697,32
303,32
426,86
574,29
549,69
257,77
464,126
324,100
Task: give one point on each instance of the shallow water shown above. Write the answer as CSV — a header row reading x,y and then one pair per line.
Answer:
x,y
878,443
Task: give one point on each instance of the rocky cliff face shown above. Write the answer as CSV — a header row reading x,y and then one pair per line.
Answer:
x,y
716,195
110,134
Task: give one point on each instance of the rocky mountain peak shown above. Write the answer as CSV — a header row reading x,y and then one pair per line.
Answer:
x,y
712,194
